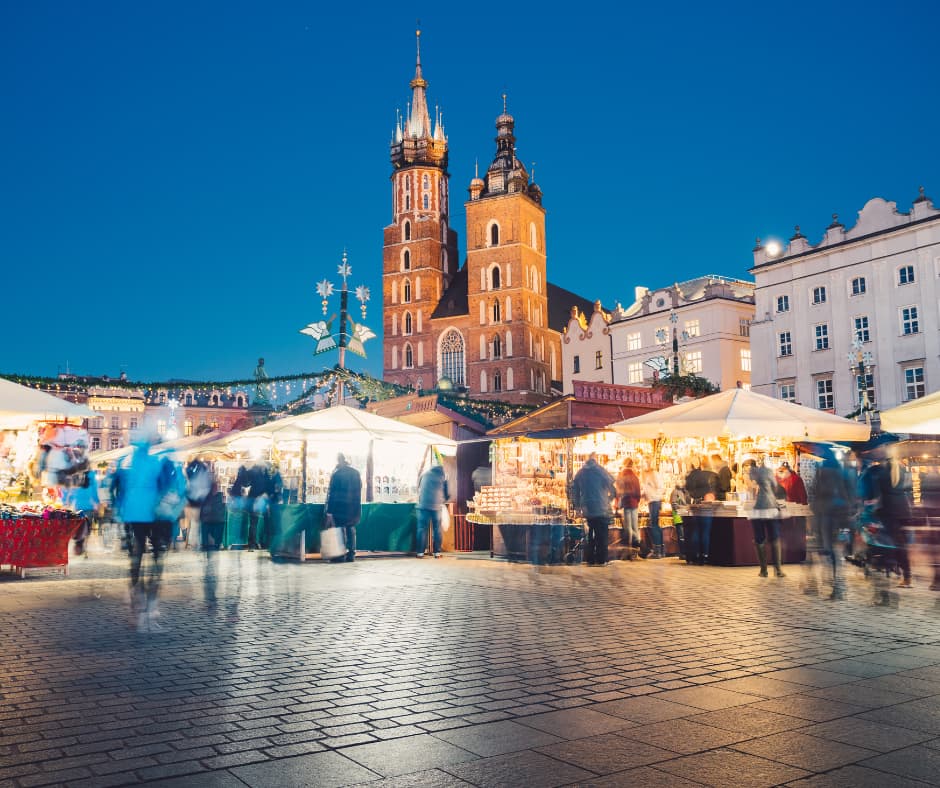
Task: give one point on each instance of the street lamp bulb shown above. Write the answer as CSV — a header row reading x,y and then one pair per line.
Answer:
x,y
773,248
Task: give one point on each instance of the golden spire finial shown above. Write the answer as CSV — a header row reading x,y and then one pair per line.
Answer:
x,y
504,103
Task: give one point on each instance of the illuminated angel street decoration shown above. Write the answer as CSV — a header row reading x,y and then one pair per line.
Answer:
x,y
351,335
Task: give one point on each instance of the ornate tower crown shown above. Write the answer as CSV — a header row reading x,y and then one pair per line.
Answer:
x,y
415,142
507,175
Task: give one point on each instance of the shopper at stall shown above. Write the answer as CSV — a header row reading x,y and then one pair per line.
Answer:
x,y
765,517
139,493
83,498
433,493
702,484
592,492
792,484
629,492
723,474
249,494
212,514
651,486
344,502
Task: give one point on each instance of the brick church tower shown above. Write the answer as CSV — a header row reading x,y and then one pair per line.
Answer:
x,y
419,256
512,352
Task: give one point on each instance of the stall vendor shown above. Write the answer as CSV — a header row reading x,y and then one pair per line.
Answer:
x,y
792,484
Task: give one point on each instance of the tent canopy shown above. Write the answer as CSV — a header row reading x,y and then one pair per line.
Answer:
x,y
20,406
178,449
340,423
919,416
737,413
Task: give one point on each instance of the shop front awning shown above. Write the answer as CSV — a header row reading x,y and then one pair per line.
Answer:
x,y
738,413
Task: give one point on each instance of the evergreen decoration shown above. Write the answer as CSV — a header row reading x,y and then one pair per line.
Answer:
x,y
690,385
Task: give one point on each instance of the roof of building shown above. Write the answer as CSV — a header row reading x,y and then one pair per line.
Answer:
x,y
698,289
454,300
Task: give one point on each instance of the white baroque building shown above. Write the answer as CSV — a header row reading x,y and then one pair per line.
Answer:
x,y
711,317
852,321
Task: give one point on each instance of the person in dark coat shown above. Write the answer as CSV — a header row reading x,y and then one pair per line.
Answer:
x,y
702,484
592,492
765,516
344,502
893,484
433,493
723,473
830,507
250,491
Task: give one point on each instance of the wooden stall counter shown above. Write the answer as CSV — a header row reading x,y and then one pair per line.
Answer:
x,y
732,537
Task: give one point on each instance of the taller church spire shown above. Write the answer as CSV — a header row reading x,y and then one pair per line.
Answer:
x,y
417,143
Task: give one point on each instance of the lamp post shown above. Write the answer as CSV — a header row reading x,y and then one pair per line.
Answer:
x,y
662,337
860,363
351,334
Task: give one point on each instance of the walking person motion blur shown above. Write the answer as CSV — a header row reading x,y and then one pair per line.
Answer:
x,y
765,517
592,491
651,486
628,489
83,498
433,493
344,502
830,509
893,485
140,490
212,515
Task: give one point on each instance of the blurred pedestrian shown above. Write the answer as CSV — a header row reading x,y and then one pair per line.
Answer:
x,y
592,491
894,488
433,493
212,515
651,487
628,489
344,502
140,492
765,517
830,508
83,498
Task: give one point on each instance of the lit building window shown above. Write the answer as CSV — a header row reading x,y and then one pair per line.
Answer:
x,y
693,362
692,328
745,360
633,341
635,372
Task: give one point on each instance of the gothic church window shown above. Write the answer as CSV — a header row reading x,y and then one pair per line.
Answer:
x,y
406,260
406,292
494,234
407,231
497,382
495,277
409,357
496,311
427,201
452,357
408,323
497,347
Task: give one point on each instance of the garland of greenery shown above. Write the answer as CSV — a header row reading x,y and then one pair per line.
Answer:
x,y
683,385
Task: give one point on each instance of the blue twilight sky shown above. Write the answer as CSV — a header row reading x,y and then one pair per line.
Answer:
x,y
176,176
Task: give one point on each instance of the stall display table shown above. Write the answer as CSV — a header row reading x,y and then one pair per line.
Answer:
x,y
294,529
37,542
732,537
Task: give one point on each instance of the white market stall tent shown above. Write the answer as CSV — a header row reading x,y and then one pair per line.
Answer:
x,y
738,412
388,453
22,406
919,416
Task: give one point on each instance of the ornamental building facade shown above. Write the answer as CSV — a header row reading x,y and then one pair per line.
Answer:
x,y
493,325
852,324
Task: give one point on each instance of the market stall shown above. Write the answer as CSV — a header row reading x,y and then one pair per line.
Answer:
x,y
736,425
535,458
388,454
41,446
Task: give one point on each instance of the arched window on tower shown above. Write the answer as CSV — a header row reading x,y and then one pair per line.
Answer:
x,y
533,236
509,380
496,310
426,182
452,357
495,277
407,231
444,266
407,324
406,292
407,202
409,357
406,260
497,347
427,201
497,382
494,234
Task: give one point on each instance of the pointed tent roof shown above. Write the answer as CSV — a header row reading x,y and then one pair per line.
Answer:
x,y
738,412
20,406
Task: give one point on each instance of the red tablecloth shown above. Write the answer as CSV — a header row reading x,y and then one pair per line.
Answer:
x,y
34,542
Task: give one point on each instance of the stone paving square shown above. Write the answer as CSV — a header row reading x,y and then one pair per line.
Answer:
x,y
463,672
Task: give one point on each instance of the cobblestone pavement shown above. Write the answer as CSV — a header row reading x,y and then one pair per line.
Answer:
x,y
464,672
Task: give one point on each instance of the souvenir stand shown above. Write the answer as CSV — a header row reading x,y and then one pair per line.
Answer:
x,y
40,444
388,454
535,458
738,424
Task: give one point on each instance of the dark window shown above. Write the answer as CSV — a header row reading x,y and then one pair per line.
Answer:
x,y
577,364
496,278
407,232
494,235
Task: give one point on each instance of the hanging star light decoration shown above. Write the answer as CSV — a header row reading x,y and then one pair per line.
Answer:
x,y
324,290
